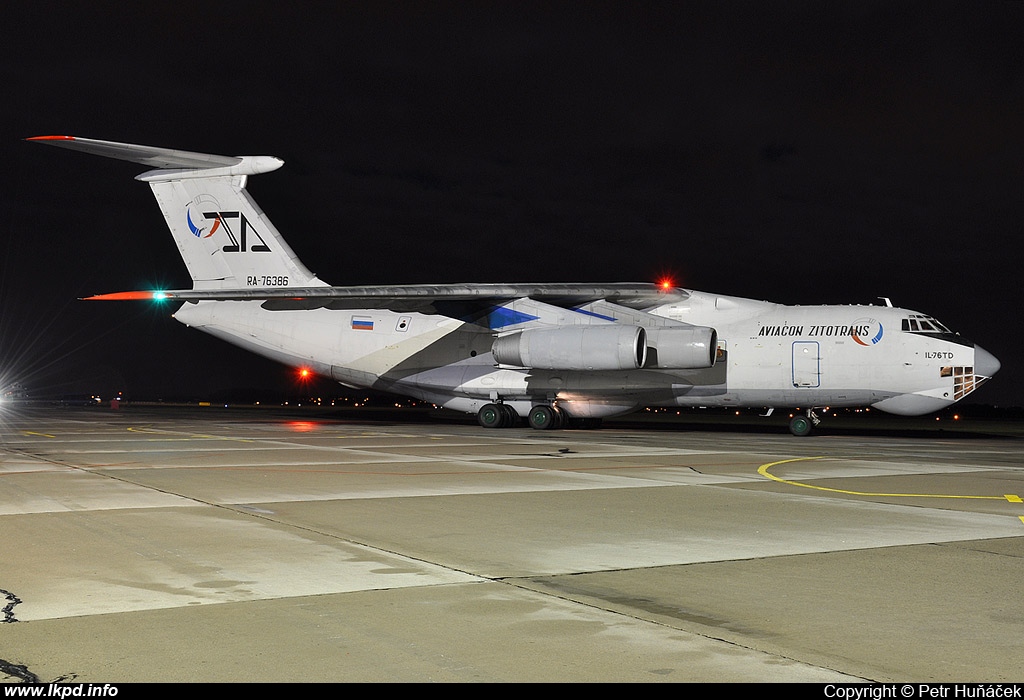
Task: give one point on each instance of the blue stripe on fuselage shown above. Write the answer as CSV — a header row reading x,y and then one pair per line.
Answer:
x,y
502,317
595,315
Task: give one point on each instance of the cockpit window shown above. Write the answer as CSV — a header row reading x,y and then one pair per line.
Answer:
x,y
918,323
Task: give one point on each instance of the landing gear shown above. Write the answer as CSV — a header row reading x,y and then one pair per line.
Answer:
x,y
512,417
490,416
802,426
543,417
497,415
540,417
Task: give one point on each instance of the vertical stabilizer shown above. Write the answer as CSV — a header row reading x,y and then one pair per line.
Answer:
x,y
225,239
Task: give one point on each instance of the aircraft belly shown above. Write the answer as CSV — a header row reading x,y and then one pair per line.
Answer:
x,y
483,380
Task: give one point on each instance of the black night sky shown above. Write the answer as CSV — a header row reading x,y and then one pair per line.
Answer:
x,y
801,152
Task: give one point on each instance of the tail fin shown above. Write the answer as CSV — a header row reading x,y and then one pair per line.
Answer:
x,y
225,239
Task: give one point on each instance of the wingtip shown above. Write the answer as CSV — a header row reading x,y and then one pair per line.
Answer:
x,y
128,296
50,138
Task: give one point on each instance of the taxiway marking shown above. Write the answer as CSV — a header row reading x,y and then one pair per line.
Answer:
x,y
763,471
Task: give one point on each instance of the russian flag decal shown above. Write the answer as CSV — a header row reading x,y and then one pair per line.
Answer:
x,y
362,323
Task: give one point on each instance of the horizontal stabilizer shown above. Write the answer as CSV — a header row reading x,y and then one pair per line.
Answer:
x,y
146,155
223,236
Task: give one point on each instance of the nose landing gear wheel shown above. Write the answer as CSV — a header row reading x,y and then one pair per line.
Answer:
x,y
801,426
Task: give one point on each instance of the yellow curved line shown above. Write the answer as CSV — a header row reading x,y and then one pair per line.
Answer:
x,y
763,471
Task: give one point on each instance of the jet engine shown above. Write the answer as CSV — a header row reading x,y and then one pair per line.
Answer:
x,y
608,347
599,347
681,347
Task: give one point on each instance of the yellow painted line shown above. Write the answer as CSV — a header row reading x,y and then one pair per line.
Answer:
x,y
29,432
184,437
763,471
1013,498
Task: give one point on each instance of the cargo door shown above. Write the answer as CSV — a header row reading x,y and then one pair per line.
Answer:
x,y
806,363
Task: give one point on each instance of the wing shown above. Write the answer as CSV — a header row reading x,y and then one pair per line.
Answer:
x,y
433,298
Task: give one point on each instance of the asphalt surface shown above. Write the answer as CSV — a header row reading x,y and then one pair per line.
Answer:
x,y
212,544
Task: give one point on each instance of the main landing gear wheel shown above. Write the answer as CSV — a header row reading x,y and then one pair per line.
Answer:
x,y
497,415
511,416
545,417
801,426
490,415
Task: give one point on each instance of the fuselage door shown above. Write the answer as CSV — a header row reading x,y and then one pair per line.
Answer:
x,y
806,364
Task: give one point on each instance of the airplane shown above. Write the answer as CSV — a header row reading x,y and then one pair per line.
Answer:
x,y
552,354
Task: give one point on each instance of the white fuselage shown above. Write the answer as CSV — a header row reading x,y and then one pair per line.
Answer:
x,y
768,355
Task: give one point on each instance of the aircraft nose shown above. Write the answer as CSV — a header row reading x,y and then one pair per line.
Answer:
x,y
985,363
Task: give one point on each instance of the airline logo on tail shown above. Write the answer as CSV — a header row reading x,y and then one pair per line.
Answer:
x,y
203,218
195,216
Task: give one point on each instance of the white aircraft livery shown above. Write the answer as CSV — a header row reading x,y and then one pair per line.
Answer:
x,y
552,354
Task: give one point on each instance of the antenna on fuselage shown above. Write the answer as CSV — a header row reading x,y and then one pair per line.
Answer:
x,y
887,301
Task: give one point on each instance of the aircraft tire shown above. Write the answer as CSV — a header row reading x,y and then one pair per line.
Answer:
x,y
801,426
512,416
542,417
491,415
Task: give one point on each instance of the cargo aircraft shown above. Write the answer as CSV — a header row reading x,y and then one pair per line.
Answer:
x,y
550,353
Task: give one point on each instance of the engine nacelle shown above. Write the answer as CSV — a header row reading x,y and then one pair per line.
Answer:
x,y
599,347
681,347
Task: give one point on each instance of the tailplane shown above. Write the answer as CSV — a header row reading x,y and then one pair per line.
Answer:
x,y
225,239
